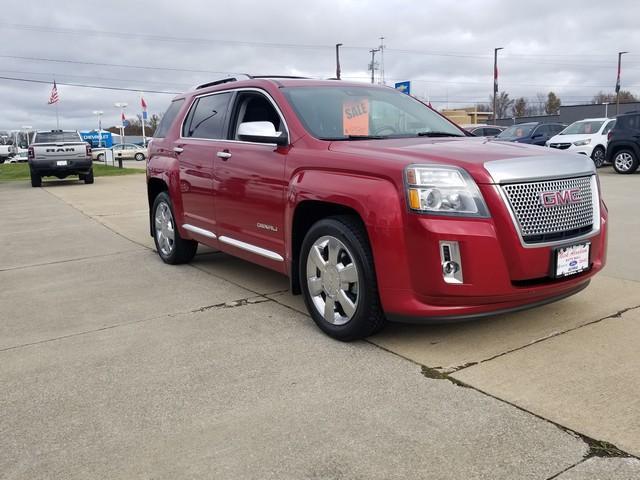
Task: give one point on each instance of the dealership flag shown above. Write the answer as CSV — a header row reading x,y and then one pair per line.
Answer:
x,y
123,118
53,98
144,108
618,79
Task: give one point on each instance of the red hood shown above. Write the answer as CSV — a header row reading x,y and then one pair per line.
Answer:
x,y
468,153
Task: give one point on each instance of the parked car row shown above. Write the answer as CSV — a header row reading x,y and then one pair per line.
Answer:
x,y
615,141
124,151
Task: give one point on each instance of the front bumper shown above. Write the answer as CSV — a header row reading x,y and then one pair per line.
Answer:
x,y
500,274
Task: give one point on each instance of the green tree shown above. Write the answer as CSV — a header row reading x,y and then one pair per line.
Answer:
x,y
552,106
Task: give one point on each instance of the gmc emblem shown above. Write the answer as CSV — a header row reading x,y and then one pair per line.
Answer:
x,y
561,197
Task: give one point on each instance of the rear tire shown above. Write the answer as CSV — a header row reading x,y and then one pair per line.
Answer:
x,y
100,157
338,279
139,157
172,248
88,178
625,162
36,179
598,156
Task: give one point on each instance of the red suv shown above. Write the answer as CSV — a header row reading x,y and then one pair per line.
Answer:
x,y
375,206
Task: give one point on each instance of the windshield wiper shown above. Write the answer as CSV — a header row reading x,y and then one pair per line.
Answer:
x,y
355,137
438,134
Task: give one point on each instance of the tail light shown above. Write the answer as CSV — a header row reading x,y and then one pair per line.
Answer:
x,y
30,153
609,135
88,150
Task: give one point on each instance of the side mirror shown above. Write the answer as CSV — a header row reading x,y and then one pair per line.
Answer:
x,y
261,132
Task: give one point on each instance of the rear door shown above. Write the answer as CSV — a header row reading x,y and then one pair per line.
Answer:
x,y
249,184
203,130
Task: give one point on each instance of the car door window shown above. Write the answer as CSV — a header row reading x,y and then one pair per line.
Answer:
x,y
168,118
206,119
540,131
608,127
254,107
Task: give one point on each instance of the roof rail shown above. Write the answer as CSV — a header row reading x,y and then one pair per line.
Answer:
x,y
216,82
234,79
293,77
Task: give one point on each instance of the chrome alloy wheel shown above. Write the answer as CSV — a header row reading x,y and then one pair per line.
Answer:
x,y
165,229
598,157
332,279
623,161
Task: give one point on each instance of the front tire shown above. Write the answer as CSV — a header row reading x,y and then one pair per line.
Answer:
x,y
172,248
625,162
139,157
338,279
36,179
100,157
598,156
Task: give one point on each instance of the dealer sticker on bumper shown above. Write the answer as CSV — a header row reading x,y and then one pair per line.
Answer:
x,y
572,260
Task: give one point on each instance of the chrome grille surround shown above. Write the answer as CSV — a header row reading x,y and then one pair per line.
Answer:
x,y
539,225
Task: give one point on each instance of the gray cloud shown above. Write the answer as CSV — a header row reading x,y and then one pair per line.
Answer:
x,y
445,48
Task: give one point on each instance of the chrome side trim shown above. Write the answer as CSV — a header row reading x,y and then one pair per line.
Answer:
x,y
263,252
533,169
199,231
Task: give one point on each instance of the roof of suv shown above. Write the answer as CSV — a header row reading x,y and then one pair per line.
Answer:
x,y
279,81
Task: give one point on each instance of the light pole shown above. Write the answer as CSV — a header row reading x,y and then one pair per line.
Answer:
x,y
121,106
99,113
606,109
495,82
338,45
618,82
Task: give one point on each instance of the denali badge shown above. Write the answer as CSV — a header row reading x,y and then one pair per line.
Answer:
x,y
561,197
265,226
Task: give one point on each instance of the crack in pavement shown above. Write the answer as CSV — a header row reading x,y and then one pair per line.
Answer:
x,y
253,300
618,314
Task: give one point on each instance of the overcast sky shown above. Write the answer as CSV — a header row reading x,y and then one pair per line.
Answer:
x,y
445,48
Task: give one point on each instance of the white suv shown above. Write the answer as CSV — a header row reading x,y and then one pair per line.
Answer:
x,y
588,137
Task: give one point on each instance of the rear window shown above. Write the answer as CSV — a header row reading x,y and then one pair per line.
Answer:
x,y
168,118
57,137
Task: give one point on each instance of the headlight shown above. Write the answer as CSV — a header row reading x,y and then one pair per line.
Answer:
x,y
580,143
443,190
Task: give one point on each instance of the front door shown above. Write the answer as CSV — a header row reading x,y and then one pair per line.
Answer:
x,y
249,185
203,129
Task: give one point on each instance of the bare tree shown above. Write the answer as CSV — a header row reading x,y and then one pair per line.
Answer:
x,y
503,104
520,107
625,97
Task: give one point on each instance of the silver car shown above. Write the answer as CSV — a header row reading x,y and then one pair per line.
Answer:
x,y
129,151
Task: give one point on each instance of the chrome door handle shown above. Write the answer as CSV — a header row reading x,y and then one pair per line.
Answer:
x,y
223,155
178,149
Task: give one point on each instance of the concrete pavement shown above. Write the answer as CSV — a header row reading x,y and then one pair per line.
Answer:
x,y
204,371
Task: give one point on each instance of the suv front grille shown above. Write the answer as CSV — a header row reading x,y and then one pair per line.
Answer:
x,y
561,146
538,223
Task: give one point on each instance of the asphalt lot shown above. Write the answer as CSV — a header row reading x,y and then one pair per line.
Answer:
x,y
114,365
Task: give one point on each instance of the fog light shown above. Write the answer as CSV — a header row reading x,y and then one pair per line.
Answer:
x,y
450,268
451,262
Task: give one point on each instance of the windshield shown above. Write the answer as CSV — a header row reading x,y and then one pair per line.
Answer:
x,y
343,113
5,138
517,131
57,137
585,127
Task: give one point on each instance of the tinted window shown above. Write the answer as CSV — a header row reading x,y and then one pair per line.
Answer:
x,y
57,137
632,122
206,117
517,131
168,118
492,132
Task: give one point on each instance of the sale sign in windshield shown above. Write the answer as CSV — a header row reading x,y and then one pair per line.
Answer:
x,y
355,117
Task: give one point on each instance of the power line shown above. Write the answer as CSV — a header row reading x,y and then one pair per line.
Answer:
x,y
82,85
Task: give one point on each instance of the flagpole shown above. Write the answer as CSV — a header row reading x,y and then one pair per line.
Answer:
x,y
57,118
144,115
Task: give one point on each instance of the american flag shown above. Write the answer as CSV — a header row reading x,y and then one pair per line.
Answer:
x,y
53,98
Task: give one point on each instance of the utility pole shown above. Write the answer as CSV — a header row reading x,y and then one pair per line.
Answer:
x,y
381,60
338,45
372,66
495,83
618,82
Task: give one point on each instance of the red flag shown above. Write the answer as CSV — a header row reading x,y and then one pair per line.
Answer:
x,y
53,98
143,103
124,119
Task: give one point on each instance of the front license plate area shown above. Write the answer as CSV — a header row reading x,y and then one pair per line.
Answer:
x,y
572,260
61,163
